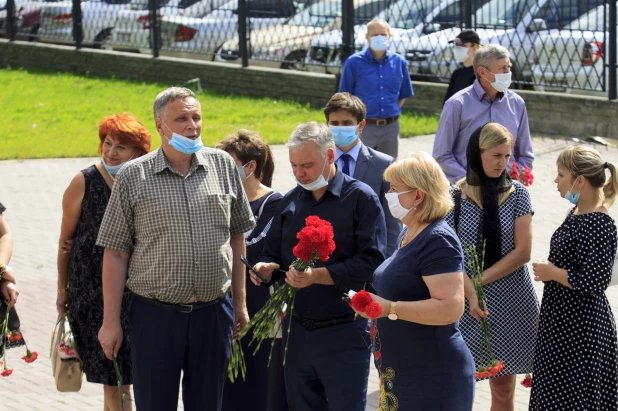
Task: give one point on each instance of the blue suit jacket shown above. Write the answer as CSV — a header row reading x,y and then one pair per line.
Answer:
x,y
370,167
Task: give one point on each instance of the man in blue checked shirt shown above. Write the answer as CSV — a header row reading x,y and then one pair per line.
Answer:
x,y
380,78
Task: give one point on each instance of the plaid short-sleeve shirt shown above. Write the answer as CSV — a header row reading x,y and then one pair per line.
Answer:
x,y
177,229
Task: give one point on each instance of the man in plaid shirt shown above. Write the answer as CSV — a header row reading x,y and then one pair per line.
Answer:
x,y
173,232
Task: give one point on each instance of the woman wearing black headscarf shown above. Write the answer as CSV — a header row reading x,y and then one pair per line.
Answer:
x,y
492,209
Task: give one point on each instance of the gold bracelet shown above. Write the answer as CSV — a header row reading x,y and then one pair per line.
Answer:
x,y
63,290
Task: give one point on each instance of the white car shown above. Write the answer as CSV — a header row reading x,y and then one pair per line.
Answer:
x,y
573,58
98,18
132,27
514,24
408,19
286,45
202,37
29,15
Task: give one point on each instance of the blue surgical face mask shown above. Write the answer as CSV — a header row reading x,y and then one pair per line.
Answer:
x,y
378,43
572,197
344,135
112,170
320,182
241,172
184,144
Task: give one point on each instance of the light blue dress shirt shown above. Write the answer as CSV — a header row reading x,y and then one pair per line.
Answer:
x,y
353,153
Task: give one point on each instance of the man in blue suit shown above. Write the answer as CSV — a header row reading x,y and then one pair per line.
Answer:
x,y
345,115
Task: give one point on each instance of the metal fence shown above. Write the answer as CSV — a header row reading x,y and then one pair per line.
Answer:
x,y
554,44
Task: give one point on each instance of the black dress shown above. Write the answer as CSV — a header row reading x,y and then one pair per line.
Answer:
x,y
264,386
576,361
461,78
86,289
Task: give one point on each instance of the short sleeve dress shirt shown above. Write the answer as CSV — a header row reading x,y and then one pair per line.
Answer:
x,y
177,229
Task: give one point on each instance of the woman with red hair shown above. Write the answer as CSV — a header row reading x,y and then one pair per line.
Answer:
x,y
122,137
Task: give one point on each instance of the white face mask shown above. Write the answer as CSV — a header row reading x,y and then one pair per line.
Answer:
x,y
460,53
503,81
397,210
320,182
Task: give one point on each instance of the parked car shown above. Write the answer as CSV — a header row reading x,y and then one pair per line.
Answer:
x,y
574,58
408,19
286,45
514,24
29,15
202,37
98,18
132,27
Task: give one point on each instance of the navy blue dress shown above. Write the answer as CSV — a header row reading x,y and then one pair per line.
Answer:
x,y
264,386
422,367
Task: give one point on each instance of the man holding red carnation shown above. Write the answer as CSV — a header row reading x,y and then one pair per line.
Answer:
x,y
327,366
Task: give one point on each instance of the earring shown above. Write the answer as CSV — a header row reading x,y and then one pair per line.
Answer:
x,y
414,208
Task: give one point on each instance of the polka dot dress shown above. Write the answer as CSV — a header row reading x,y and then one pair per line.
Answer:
x,y
575,366
511,300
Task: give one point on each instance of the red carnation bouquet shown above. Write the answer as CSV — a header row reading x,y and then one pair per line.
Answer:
x,y
8,337
362,302
316,241
489,366
524,175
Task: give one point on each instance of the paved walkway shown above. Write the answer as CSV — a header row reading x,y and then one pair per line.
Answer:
x,y
32,192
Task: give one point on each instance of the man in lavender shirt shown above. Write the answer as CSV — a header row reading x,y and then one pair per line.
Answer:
x,y
488,99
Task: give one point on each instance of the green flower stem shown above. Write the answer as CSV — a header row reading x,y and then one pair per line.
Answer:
x,y
477,280
287,341
119,383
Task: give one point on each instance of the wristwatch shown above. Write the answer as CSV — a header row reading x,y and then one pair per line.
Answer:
x,y
392,315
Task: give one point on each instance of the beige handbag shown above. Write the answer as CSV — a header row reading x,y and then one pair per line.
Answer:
x,y
67,372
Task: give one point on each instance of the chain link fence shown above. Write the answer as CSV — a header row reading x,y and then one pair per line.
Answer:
x,y
565,45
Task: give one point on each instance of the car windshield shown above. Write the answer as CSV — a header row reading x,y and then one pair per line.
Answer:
x,y
559,13
406,14
318,15
143,4
591,21
499,13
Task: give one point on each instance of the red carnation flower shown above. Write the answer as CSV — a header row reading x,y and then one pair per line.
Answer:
x,y
14,336
30,356
482,374
361,300
303,251
527,381
313,220
373,310
6,372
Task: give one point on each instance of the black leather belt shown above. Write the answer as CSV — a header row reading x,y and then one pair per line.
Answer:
x,y
381,121
315,324
183,308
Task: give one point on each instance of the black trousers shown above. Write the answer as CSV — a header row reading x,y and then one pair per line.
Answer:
x,y
166,343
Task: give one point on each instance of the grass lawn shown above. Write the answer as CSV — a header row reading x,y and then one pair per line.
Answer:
x,y
57,115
